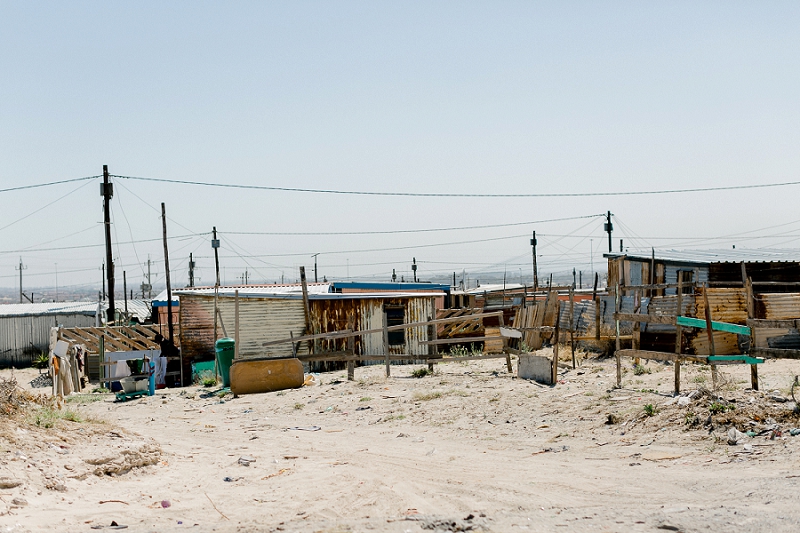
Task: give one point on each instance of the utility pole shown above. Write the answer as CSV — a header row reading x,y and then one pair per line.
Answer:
x,y
414,268
166,271
107,191
20,268
608,229
147,286
573,278
103,268
191,271
125,292
215,246
535,270
316,280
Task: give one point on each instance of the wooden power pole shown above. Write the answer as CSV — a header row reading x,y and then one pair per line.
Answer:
x,y
535,270
108,191
166,271
191,271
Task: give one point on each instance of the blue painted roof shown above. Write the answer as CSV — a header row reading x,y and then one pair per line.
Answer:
x,y
388,286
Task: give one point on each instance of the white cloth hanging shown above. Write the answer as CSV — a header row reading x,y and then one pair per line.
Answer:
x,y
160,369
121,370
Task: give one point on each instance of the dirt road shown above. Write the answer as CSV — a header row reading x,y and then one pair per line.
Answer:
x,y
468,448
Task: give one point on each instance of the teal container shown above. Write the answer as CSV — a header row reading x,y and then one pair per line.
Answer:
x,y
225,349
202,370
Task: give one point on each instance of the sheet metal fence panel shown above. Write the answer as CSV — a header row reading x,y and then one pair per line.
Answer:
x,y
584,315
668,306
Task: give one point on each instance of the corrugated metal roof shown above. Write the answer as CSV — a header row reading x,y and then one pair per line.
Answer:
x,y
141,309
50,308
389,286
715,256
317,294
495,287
251,291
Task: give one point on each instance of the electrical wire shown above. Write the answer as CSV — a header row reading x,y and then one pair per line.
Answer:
x,y
93,226
392,232
459,195
412,247
46,205
130,232
156,209
38,185
83,246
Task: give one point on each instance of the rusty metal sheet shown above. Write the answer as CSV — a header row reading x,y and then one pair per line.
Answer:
x,y
727,305
779,306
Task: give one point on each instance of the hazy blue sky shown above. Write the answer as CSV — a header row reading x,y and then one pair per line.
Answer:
x,y
506,97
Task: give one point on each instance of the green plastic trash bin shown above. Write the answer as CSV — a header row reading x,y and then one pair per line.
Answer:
x,y
225,349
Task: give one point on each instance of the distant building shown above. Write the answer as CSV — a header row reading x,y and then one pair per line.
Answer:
x,y
25,328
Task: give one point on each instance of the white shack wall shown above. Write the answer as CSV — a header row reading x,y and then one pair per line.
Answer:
x,y
417,310
372,318
21,334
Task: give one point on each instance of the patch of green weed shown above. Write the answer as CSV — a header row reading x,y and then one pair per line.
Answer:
x,y
424,397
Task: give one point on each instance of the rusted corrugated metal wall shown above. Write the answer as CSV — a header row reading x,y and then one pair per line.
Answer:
x,y
260,320
727,305
784,306
21,336
333,315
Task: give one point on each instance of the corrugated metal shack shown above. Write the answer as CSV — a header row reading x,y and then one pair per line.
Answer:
x,y
775,278
271,312
628,269
25,328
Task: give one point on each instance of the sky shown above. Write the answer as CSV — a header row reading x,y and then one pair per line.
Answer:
x,y
415,97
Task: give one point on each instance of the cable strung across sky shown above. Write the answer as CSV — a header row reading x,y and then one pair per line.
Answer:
x,y
37,185
425,230
461,195
418,194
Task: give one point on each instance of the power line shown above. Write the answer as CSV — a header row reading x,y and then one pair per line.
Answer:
x,y
2,252
460,195
38,185
392,232
44,206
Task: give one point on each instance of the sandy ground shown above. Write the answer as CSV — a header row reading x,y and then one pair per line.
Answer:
x,y
468,448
